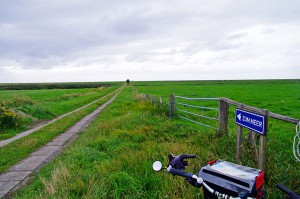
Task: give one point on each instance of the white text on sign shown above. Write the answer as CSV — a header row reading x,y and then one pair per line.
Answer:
x,y
252,121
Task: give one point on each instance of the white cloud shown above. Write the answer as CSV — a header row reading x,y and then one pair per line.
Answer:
x,y
148,40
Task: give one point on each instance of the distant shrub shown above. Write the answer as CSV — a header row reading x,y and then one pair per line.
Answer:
x,y
22,100
16,101
9,119
41,112
69,96
6,102
36,86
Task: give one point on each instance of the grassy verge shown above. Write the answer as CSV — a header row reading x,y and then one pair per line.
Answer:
x,y
18,150
113,157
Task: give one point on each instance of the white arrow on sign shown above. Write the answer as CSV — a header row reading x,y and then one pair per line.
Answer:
x,y
239,116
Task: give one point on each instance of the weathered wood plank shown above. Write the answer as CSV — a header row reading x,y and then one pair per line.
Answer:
x,y
263,146
172,105
239,143
239,138
262,153
223,117
284,118
260,111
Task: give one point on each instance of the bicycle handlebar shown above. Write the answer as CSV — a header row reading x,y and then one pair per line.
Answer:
x,y
184,156
179,162
290,193
176,167
180,173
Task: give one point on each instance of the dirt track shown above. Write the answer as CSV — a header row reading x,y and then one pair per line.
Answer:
x,y
17,176
28,132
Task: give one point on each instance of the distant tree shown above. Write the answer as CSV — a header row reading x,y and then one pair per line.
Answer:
x,y
127,81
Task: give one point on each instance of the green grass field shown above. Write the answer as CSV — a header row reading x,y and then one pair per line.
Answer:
x,y
45,104
113,157
279,96
15,151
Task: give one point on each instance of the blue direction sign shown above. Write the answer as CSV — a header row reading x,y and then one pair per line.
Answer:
x,y
251,121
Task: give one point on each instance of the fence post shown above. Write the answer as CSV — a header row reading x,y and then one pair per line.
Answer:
x,y
154,99
252,141
172,105
223,117
239,146
160,100
263,145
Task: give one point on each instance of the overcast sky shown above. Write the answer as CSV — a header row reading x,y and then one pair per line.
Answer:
x,y
95,40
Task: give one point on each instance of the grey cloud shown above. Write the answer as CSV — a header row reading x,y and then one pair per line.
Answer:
x,y
108,33
237,36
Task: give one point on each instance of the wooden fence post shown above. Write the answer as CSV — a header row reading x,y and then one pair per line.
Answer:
x,y
223,117
263,145
239,146
172,105
154,99
253,142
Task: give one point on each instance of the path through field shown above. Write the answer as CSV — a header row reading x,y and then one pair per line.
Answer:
x,y
28,132
19,174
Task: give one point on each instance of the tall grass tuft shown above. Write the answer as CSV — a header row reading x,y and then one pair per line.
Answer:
x,y
17,101
60,177
41,112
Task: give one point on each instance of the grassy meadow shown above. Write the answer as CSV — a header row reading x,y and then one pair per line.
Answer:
x,y
278,96
14,152
35,103
113,157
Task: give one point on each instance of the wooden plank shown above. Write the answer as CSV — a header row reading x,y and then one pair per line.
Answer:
x,y
154,99
239,143
284,118
263,146
250,108
223,117
262,153
239,138
253,142
172,105
260,111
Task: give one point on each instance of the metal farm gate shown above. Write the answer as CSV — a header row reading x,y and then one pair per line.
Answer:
x,y
202,111
214,113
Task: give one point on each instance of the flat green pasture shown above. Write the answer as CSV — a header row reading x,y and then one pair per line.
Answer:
x,y
279,96
46,104
55,101
113,157
19,149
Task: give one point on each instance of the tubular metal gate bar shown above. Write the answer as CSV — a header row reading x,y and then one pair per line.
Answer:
x,y
198,107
